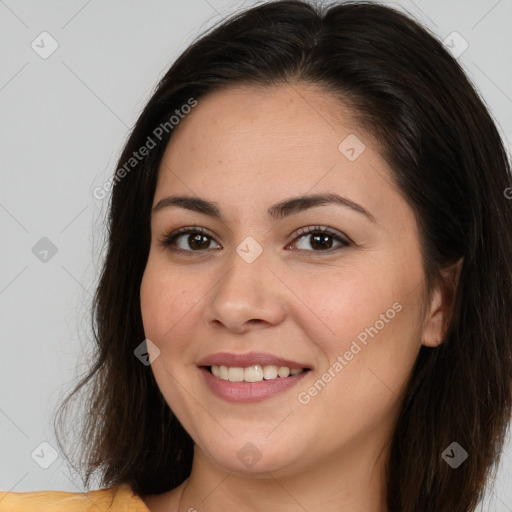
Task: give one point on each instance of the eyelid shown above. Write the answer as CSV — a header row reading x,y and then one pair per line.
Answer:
x,y
308,230
171,236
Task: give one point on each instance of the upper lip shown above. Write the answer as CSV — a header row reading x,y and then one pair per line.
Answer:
x,y
249,359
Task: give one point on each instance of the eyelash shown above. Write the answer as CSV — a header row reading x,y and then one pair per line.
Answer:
x,y
169,238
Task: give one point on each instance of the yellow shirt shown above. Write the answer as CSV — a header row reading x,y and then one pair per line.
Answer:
x,y
112,499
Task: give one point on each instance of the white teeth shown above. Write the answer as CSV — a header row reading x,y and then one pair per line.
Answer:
x,y
284,371
270,372
236,374
223,372
255,373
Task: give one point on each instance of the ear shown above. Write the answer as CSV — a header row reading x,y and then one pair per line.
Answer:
x,y
441,305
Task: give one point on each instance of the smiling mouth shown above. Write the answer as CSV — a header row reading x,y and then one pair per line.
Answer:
x,y
254,373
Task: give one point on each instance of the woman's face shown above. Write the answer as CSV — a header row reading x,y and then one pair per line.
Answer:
x,y
252,291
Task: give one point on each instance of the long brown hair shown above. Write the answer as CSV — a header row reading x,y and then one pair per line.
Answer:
x,y
448,161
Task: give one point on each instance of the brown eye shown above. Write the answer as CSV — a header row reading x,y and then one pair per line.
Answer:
x,y
321,239
187,240
190,240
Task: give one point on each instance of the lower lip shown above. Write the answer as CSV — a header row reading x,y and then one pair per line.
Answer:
x,y
249,391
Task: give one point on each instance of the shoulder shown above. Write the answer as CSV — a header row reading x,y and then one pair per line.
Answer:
x,y
112,499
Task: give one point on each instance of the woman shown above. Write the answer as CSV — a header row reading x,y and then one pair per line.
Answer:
x,y
305,304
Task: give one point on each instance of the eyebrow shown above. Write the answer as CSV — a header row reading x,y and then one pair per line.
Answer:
x,y
277,211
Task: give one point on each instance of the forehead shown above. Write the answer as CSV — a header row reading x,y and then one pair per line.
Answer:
x,y
272,142
273,120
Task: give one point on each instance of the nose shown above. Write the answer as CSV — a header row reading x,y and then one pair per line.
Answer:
x,y
248,294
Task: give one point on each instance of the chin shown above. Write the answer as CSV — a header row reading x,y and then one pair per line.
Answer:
x,y
251,457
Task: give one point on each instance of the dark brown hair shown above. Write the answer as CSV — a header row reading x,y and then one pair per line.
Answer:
x,y
448,161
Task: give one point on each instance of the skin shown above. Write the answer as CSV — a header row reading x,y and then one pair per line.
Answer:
x,y
248,148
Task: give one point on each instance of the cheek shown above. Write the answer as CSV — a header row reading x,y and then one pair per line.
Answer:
x,y
369,358
369,316
170,302
160,301
167,314
344,303
150,301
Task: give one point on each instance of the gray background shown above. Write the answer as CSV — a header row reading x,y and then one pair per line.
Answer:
x,y
62,125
